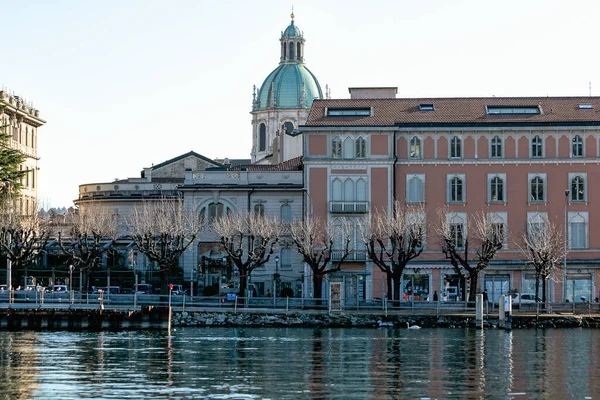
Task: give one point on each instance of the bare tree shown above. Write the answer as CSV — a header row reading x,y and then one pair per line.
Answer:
x,y
22,237
249,239
392,240
483,231
316,242
162,230
86,236
544,251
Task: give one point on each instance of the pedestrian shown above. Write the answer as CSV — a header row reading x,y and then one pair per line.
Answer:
x,y
268,292
435,296
485,296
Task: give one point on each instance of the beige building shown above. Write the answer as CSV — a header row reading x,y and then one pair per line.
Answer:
x,y
23,122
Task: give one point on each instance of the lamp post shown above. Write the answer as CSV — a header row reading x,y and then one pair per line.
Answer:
x,y
276,275
567,192
71,283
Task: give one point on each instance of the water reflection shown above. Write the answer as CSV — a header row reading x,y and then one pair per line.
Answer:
x,y
301,363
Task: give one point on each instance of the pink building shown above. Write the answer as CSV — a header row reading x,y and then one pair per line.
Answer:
x,y
513,158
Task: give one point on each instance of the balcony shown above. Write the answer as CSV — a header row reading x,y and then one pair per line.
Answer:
x,y
349,207
354,256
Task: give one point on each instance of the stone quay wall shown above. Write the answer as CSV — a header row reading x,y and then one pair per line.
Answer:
x,y
297,319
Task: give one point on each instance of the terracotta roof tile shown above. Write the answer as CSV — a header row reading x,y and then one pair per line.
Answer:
x,y
294,164
471,110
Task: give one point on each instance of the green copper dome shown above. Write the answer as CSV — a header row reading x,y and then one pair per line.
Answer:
x,y
289,86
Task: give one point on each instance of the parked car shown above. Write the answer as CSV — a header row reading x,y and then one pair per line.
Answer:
x,y
177,289
142,288
107,290
524,298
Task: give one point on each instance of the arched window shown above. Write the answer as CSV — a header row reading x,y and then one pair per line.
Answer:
x,y
336,147
298,50
262,137
259,209
215,211
348,147
455,147
496,147
537,189
336,189
497,189
577,189
291,50
361,147
536,147
348,190
288,127
456,190
284,49
577,146
361,190
415,147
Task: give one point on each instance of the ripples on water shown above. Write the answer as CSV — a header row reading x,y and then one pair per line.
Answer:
x,y
292,363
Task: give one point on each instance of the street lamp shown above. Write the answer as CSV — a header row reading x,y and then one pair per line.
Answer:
x,y
276,276
71,283
567,192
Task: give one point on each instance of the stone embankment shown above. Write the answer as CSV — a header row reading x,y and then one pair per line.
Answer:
x,y
255,319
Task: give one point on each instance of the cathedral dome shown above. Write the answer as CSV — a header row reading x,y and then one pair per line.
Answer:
x,y
291,84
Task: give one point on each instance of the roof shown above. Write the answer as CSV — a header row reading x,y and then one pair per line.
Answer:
x,y
293,164
191,153
292,31
456,111
286,85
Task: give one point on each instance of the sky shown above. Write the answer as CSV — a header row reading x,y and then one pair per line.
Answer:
x,y
125,85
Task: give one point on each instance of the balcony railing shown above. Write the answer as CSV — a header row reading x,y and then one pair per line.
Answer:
x,y
352,207
355,255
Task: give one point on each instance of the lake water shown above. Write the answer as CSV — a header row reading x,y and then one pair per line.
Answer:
x,y
302,363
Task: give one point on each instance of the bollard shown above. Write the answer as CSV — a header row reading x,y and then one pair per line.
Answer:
x,y
479,311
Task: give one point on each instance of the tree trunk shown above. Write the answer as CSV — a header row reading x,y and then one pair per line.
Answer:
x,y
474,279
318,287
397,288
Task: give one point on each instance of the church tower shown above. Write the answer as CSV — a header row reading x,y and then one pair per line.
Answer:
x,y
282,103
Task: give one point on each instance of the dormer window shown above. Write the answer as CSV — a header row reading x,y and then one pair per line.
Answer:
x,y
512,110
585,106
426,107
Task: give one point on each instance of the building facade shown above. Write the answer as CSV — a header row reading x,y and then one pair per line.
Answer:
x,y
22,122
519,160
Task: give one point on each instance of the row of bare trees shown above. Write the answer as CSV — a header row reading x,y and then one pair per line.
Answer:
x,y
162,230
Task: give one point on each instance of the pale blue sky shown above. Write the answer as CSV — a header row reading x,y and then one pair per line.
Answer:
x,y
127,84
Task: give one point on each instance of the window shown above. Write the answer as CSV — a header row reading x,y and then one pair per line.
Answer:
x,y
455,147
215,211
578,192
496,188
336,147
415,148
286,258
536,147
415,188
416,223
288,127
348,112
577,146
259,209
498,223
586,106
456,226
361,147
348,148
578,229
537,191
262,137
336,189
536,225
500,110
496,149
456,188
426,107
286,213
350,189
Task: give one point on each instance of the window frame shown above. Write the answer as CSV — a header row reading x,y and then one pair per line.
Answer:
x,y
415,142
583,177
409,179
578,217
453,196
577,145
336,147
360,147
455,144
456,220
496,144
490,183
544,185
536,148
